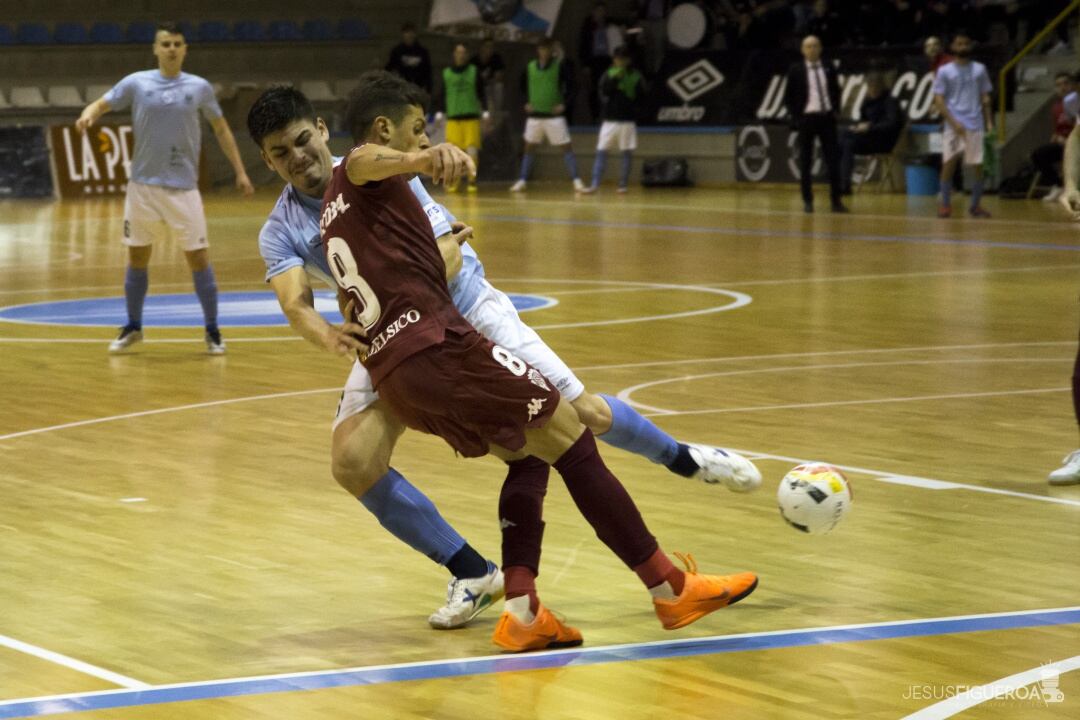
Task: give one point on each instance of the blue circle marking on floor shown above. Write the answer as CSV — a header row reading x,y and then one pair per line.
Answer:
x,y
235,309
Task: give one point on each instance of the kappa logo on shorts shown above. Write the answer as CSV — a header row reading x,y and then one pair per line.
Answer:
x,y
537,379
535,406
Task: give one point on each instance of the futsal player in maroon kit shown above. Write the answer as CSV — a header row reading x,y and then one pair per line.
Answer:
x,y
442,377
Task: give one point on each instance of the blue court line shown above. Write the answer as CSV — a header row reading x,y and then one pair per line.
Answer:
x,y
459,667
759,232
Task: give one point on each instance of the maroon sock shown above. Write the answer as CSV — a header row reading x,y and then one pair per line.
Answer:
x,y
521,511
604,502
520,581
657,569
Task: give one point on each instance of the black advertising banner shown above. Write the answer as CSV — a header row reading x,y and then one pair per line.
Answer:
x,y
24,163
741,88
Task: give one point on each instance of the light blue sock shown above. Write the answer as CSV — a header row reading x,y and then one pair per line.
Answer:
x,y
624,171
526,165
598,167
206,289
136,282
976,192
571,164
411,517
946,192
630,431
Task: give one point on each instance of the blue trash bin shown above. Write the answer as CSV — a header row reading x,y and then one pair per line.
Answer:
x,y
921,179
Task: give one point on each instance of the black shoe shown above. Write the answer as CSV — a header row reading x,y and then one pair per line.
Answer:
x,y
839,207
808,208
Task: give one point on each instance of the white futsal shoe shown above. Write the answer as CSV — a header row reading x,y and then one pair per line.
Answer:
x,y
1069,472
128,336
468,597
579,186
519,186
214,344
724,466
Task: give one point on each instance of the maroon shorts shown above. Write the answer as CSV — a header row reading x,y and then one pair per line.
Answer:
x,y
470,392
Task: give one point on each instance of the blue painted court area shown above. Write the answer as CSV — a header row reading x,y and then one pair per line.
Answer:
x,y
235,309
292,682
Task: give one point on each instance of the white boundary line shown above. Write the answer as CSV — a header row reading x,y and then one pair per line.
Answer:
x,y
591,650
626,395
162,411
72,663
990,691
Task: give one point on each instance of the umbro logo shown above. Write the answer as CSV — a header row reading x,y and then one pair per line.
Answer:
x,y
504,523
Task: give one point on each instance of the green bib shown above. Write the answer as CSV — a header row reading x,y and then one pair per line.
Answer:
x,y
461,99
544,92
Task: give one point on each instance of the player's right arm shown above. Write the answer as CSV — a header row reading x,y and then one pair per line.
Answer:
x,y
297,301
444,163
91,113
943,110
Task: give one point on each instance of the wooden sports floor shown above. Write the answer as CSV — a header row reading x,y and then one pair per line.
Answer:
x,y
170,533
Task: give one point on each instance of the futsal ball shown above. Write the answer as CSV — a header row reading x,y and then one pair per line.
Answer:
x,y
814,498
496,12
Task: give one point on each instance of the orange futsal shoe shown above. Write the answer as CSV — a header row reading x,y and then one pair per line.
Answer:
x,y
543,633
701,595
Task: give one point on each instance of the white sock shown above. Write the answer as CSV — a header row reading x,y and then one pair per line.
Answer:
x,y
519,608
663,591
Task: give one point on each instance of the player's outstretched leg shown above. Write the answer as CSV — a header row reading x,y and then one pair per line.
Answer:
x,y
363,442
621,426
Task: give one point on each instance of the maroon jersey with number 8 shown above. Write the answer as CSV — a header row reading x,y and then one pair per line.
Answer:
x,y
382,253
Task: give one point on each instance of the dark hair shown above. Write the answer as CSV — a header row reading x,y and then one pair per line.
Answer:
x,y
380,93
1067,76
275,109
545,42
169,27
963,33
620,52
408,27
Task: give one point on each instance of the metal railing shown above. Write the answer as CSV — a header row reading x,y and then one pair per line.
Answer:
x,y
1032,44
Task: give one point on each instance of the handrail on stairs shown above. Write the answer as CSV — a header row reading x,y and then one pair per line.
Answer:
x,y
1032,44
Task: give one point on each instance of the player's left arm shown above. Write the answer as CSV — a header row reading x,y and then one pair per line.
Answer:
x,y
444,163
232,152
985,88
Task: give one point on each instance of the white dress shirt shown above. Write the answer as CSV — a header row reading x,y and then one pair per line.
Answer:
x,y
817,96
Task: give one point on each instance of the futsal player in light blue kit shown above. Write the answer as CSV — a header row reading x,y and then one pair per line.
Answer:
x,y
293,141
162,197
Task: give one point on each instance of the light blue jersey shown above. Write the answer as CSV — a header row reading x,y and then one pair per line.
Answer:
x,y
963,86
290,238
165,114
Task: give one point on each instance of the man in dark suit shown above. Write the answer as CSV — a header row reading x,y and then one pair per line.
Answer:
x,y
813,104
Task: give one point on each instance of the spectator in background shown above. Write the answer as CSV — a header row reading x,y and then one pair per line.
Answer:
x,y
549,89
594,52
876,132
410,59
621,90
459,101
492,74
826,25
813,103
935,53
1046,158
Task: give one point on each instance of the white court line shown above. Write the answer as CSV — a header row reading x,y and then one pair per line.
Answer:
x,y
626,395
72,664
162,411
1059,222
100,341
913,480
990,691
36,291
